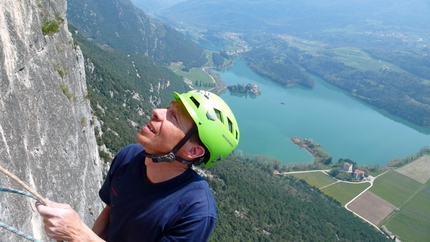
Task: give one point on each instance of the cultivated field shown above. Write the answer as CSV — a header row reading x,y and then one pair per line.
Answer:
x,y
193,74
395,188
359,59
398,199
371,207
344,192
316,179
412,222
418,170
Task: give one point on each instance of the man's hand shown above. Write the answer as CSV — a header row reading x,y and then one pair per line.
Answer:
x,y
63,223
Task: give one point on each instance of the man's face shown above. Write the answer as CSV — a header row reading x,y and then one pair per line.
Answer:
x,y
165,129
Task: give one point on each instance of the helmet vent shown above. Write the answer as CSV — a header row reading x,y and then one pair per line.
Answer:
x,y
218,114
195,101
230,125
210,116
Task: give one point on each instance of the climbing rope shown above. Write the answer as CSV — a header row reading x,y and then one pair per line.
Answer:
x,y
22,234
39,198
31,193
24,193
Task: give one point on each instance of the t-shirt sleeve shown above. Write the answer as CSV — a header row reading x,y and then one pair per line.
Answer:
x,y
198,229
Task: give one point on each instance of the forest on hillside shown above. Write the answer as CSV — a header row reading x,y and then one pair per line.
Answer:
x,y
122,26
254,205
401,94
279,67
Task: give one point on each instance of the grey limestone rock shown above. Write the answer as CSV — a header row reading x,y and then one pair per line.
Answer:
x,y
46,138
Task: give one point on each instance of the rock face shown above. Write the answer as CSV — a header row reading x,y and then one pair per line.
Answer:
x,y
46,137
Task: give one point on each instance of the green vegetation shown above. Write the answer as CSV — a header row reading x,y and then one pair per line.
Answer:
x,y
357,58
196,76
344,192
60,70
65,88
51,26
254,205
217,59
395,188
316,179
411,223
84,122
414,63
400,94
320,156
280,66
128,29
410,158
249,88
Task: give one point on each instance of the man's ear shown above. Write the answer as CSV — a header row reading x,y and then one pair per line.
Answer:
x,y
194,151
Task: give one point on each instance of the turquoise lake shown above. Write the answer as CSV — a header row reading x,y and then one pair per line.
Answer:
x,y
345,127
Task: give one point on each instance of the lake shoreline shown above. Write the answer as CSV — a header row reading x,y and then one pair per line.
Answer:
x,y
319,154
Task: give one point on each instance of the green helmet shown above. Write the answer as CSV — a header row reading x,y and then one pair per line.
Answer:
x,y
216,124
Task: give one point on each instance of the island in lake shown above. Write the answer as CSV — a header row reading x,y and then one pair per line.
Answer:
x,y
246,89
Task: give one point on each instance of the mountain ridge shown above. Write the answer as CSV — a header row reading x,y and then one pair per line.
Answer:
x,y
299,18
119,24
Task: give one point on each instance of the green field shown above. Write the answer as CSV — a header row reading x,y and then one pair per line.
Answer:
x,y
359,59
395,188
316,179
412,222
198,75
344,192
348,55
312,47
195,74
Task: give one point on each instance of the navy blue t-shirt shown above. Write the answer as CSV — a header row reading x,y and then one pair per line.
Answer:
x,y
180,209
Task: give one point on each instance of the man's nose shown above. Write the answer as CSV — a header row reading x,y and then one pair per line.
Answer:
x,y
159,113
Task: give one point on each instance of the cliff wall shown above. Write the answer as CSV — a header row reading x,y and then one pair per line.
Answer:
x,y
46,136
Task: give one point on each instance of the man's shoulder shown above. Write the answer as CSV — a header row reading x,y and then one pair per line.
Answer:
x,y
198,185
130,150
133,148
125,155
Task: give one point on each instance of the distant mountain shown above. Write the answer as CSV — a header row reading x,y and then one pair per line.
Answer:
x,y
150,6
296,17
119,24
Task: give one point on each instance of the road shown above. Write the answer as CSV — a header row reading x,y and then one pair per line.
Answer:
x,y
371,180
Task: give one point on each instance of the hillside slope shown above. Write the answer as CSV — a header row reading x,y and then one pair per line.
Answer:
x,y
254,205
119,24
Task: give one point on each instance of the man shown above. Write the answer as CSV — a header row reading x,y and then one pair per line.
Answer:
x,y
151,192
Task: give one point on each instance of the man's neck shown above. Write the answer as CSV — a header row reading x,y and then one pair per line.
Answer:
x,y
163,171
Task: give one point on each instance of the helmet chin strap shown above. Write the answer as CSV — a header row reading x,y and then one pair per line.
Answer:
x,y
170,157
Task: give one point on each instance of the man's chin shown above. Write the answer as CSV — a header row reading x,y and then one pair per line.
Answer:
x,y
141,139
